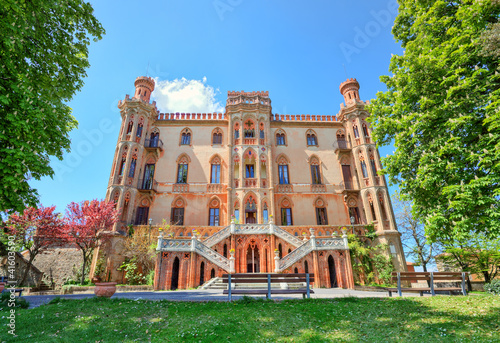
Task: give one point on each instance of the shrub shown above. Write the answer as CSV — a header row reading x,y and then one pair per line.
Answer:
x,y
19,302
493,287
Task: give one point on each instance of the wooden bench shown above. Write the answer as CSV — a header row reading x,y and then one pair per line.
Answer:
x,y
269,279
429,277
17,290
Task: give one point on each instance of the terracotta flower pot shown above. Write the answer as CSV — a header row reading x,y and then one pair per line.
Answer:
x,y
2,286
105,289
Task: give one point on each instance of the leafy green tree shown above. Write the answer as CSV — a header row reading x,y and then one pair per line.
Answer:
x,y
43,57
441,110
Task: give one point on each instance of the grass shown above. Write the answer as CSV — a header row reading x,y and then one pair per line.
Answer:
x,y
429,319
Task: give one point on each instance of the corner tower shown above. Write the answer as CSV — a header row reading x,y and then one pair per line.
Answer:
x,y
366,188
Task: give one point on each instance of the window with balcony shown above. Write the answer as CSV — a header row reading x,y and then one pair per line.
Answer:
x,y
213,219
215,174
286,217
315,174
182,172
283,174
249,171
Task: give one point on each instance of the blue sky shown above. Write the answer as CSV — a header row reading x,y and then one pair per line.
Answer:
x,y
199,50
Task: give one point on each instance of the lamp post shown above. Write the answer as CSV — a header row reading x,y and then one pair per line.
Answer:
x,y
150,227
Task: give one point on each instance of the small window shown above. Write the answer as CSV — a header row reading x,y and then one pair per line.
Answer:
x,y
182,171
265,214
186,138
142,216
177,217
315,174
321,217
130,126
215,177
261,134
250,171
283,174
122,167
217,137
139,130
236,133
356,132
132,168
213,217
286,216
311,139
365,130
280,139
363,169
374,166
354,215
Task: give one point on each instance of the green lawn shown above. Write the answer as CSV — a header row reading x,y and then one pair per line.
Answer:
x,y
437,319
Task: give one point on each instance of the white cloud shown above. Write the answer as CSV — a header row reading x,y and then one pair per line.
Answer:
x,y
186,96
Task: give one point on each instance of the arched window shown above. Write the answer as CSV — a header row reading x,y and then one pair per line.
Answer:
x,y
372,208
321,215
354,217
140,127
182,169
311,138
382,206
217,136
148,180
237,212
286,213
265,213
133,163
363,166
177,212
250,158
213,213
284,178
315,171
142,215
249,129
280,250
130,127
122,166
356,131
373,165
341,140
215,170
154,139
365,130
280,137
186,137
261,131
236,131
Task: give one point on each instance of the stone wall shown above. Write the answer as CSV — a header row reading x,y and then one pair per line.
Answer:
x,y
34,275
59,264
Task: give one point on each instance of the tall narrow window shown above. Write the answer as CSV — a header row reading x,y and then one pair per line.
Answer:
x,y
142,216
122,166
249,129
374,166
250,171
217,136
149,172
315,174
177,216
182,173
382,207
236,133
286,216
213,217
130,126
365,130
215,177
265,214
311,138
139,130
354,213
321,216
363,169
237,215
356,131
283,174
372,208
131,172
261,136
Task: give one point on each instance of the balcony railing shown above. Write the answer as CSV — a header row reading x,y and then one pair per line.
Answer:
x,y
153,143
284,189
349,185
250,141
318,188
343,145
180,188
147,184
215,188
251,183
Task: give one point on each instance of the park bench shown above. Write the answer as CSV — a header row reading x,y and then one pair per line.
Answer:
x,y
269,279
430,278
6,289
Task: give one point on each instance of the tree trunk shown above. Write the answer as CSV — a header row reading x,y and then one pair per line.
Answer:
x,y
28,267
487,278
83,268
424,266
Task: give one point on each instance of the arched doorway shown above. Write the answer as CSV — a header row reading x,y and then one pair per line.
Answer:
x,y
212,273
202,273
296,270
175,275
333,274
253,258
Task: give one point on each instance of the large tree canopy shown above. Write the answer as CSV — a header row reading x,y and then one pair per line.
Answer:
x,y
441,110
43,57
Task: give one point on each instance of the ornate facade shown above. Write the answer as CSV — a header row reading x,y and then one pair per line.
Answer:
x,y
248,190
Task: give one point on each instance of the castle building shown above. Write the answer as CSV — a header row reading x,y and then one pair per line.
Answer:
x,y
248,190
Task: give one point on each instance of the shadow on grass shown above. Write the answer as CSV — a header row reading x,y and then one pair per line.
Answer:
x,y
258,320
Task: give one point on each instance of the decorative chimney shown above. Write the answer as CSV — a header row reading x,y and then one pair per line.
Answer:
x,y
350,90
144,86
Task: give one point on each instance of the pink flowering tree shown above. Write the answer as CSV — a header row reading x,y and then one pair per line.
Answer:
x,y
85,224
36,229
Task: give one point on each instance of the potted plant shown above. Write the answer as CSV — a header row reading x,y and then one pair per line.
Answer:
x,y
105,289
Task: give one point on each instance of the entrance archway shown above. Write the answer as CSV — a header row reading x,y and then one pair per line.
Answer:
x,y
253,259
333,274
202,273
175,275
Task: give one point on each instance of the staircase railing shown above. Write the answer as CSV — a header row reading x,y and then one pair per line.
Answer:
x,y
285,235
217,237
295,255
